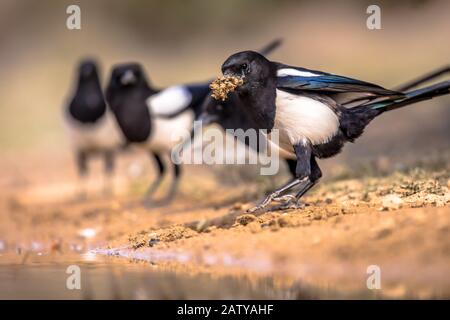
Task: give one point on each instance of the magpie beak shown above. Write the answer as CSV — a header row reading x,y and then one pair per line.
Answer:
x,y
128,78
229,72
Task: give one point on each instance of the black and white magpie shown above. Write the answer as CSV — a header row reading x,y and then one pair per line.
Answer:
x,y
151,117
89,123
228,114
314,112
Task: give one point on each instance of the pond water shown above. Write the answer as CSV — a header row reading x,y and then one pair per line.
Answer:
x,y
44,276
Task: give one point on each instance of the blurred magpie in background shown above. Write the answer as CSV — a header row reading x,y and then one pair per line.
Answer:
x,y
90,125
314,112
151,116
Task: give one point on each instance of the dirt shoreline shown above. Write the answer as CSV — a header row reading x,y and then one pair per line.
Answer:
x,y
398,222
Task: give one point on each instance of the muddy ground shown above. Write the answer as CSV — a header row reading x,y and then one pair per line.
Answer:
x,y
398,221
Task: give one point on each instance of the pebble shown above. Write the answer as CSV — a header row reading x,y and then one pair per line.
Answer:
x,y
254,227
391,201
245,219
201,225
87,233
152,242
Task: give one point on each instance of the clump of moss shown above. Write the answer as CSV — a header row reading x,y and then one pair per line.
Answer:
x,y
224,85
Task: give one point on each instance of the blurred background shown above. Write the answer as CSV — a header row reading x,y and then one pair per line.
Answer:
x,y
179,42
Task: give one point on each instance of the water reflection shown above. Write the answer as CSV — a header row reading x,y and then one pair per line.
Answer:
x,y
45,277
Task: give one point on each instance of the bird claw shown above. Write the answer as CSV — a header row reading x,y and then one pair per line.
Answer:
x,y
262,205
289,205
286,198
289,202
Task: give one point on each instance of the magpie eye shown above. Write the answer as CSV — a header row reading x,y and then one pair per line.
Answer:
x,y
244,66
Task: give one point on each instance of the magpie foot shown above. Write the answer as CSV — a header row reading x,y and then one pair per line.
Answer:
x,y
286,198
291,205
271,197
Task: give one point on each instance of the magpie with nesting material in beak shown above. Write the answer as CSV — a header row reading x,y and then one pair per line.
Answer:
x,y
314,112
228,114
89,123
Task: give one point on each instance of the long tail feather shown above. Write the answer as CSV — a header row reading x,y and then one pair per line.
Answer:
x,y
439,89
425,78
270,47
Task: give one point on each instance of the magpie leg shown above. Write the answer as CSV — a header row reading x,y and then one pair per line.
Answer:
x,y
313,178
292,164
173,186
160,174
292,202
109,170
81,161
288,197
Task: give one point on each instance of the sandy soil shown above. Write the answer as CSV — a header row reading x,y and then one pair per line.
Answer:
x,y
399,222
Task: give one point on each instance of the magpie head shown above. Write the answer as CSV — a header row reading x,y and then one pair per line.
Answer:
x,y
250,66
129,75
87,70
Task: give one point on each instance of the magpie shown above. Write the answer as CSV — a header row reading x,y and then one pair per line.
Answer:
x,y
89,123
314,112
150,117
227,114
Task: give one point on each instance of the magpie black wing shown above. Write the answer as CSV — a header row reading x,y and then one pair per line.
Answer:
x,y
342,89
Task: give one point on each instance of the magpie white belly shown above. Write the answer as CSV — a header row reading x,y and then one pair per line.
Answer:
x,y
302,120
168,132
104,134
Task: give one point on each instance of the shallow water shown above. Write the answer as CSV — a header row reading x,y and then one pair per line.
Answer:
x,y
32,276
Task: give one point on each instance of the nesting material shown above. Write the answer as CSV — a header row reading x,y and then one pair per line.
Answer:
x,y
224,85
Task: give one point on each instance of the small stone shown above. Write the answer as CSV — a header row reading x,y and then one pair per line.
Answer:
x,y
152,242
201,225
273,225
254,227
392,201
245,219
56,246
237,206
210,229
283,222
382,233
317,216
